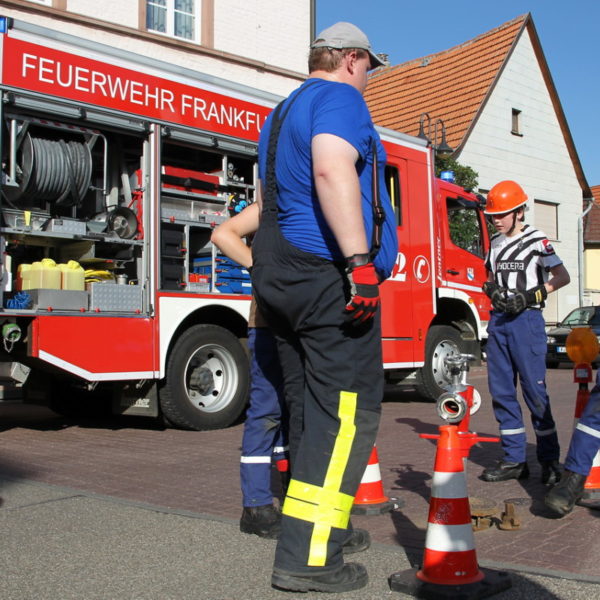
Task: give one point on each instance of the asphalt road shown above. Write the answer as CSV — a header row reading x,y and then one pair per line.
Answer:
x,y
125,509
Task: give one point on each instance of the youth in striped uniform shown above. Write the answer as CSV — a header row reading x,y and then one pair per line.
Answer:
x,y
583,449
522,270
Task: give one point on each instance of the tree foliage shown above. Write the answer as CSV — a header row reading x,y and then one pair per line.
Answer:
x,y
464,175
463,222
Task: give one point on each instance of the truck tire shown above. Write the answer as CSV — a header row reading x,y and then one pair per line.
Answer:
x,y
442,341
207,379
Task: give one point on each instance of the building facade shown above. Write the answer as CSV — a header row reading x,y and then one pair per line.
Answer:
x,y
494,99
517,135
591,255
237,40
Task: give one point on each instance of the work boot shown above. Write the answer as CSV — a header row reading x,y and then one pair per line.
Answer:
x,y
506,470
359,540
263,521
551,472
566,493
351,576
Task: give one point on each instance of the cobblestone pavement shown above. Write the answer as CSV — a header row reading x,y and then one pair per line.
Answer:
x,y
138,460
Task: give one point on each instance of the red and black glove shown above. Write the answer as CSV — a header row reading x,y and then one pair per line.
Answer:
x,y
364,289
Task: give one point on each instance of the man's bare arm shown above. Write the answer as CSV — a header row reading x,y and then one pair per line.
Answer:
x,y
229,235
338,189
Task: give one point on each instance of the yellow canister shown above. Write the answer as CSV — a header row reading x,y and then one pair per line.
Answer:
x,y
72,276
24,277
44,274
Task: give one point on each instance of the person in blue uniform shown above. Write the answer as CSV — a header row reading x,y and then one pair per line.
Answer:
x,y
583,449
523,269
326,240
264,440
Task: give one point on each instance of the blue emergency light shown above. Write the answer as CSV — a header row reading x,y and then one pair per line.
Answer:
x,y
447,176
5,24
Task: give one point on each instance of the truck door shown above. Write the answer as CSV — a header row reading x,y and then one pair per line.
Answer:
x,y
407,294
464,245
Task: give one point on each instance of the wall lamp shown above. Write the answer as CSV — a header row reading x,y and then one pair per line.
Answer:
x,y
443,150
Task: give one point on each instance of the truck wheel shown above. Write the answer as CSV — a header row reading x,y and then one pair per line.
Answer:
x,y
207,378
442,341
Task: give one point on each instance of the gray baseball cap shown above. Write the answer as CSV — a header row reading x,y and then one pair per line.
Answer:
x,y
345,35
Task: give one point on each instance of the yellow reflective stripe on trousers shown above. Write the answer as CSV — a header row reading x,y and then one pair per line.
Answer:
x,y
312,512
311,493
326,506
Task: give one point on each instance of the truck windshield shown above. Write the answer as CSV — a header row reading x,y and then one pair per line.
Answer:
x,y
465,226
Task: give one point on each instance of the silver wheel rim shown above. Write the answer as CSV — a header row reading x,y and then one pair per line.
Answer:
x,y
210,378
439,370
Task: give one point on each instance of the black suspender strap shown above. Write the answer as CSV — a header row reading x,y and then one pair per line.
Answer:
x,y
270,197
378,212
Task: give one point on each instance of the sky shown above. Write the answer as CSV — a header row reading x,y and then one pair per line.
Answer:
x,y
569,33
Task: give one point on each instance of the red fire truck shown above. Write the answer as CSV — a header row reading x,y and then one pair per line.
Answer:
x,y
115,170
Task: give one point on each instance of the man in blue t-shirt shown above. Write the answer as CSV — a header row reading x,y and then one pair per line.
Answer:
x,y
326,240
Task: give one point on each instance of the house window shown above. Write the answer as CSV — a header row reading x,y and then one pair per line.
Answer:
x,y
516,122
177,18
546,218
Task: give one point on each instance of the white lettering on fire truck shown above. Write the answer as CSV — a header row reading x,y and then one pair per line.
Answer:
x,y
399,270
92,81
96,82
421,269
219,113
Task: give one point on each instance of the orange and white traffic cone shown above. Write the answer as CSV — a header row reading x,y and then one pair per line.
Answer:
x,y
592,483
582,374
450,568
370,498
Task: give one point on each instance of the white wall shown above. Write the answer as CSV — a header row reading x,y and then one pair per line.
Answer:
x,y
260,30
271,31
124,12
538,160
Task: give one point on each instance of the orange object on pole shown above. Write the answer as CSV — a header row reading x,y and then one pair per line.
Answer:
x,y
582,374
450,568
370,498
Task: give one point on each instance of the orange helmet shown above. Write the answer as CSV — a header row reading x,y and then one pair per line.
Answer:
x,y
504,197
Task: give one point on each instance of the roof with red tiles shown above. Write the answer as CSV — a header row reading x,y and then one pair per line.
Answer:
x,y
591,228
455,84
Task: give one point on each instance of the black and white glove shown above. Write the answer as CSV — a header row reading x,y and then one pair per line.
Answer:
x,y
496,294
364,289
519,301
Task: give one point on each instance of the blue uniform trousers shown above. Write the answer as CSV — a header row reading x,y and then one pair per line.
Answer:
x,y
265,434
585,442
517,346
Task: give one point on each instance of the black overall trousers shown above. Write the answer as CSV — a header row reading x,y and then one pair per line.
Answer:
x,y
333,379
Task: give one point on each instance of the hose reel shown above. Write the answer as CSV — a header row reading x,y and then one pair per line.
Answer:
x,y
53,171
